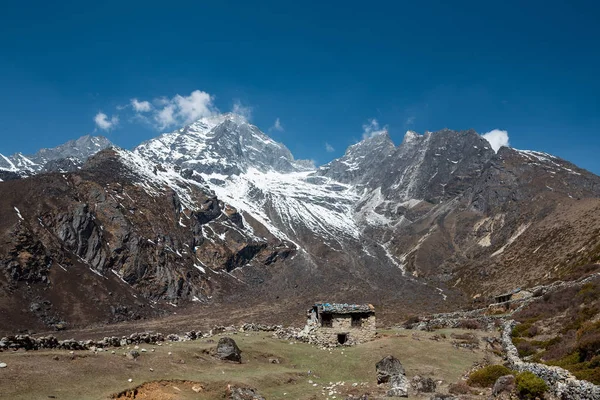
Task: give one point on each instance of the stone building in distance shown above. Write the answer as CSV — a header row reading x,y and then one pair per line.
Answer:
x,y
335,324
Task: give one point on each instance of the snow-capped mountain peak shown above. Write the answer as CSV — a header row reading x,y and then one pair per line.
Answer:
x,y
225,144
68,156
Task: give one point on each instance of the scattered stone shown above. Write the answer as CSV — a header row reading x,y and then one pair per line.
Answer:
x,y
55,358
129,380
239,393
504,384
423,385
3,365
133,354
227,349
197,388
440,396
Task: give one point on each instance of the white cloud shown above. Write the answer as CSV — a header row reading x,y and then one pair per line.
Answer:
x,y
372,128
242,110
497,138
141,106
329,148
166,116
410,120
103,122
181,110
277,126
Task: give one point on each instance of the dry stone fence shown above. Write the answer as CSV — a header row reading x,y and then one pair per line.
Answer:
x,y
561,382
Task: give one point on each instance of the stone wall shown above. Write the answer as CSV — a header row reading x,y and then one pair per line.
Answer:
x,y
561,382
27,342
342,324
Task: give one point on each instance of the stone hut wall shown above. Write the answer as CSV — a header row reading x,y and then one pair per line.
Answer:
x,y
342,324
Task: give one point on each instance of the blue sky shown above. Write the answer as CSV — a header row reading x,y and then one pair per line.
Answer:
x,y
324,70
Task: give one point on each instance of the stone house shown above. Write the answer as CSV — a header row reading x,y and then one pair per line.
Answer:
x,y
517,294
335,324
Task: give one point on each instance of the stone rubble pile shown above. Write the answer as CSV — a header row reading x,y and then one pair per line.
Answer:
x,y
561,382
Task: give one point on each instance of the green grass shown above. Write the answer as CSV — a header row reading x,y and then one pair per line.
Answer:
x,y
33,375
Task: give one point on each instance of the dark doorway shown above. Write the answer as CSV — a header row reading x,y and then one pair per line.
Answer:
x,y
326,320
342,338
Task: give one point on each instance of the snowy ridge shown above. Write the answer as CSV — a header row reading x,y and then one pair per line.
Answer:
x,y
323,206
548,160
156,181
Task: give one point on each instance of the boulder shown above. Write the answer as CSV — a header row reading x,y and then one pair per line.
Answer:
x,y
133,354
227,349
241,393
387,367
504,384
423,385
3,365
399,386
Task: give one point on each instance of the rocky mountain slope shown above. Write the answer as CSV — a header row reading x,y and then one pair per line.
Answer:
x,y
219,212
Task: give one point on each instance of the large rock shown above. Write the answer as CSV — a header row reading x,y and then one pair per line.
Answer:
x,y
390,369
227,349
399,386
387,367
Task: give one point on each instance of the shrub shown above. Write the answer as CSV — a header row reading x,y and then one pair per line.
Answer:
x,y
487,376
525,348
588,340
522,330
530,386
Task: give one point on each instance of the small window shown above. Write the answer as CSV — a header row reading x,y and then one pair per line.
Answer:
x,y
356,321
326,320
342,338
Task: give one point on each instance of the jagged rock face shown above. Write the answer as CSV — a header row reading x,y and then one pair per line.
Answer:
x,y
218,209
66,157
433,167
